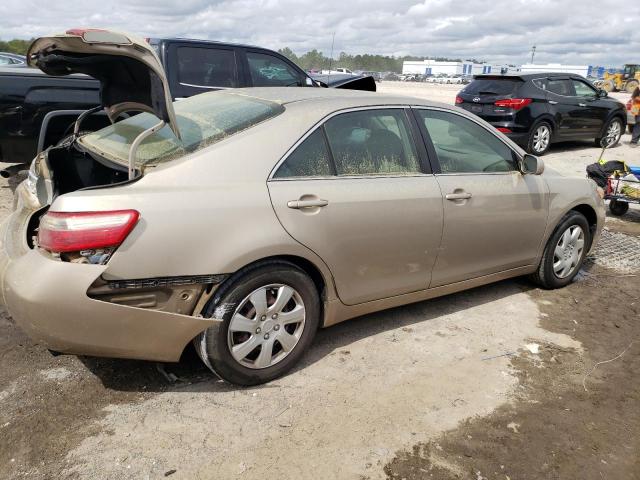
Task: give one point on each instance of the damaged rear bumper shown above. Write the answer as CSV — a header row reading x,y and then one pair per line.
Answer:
x,y
48,299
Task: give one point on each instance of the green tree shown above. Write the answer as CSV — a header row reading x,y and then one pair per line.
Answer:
x,y
15,46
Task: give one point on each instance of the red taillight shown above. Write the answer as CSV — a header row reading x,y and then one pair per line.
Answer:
x,y
503,130
515,103
459,99
76,231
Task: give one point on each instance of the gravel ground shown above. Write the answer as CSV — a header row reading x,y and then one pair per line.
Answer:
x,y
449,388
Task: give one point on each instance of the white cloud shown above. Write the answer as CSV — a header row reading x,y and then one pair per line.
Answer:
x,y
589,31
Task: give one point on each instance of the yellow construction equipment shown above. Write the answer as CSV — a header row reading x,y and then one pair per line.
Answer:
x,y
628,80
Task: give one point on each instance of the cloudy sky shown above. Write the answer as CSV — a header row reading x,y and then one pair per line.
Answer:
x,y
592,32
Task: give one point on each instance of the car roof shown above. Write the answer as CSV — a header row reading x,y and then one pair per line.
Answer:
x,y
153,41
328,97
526,76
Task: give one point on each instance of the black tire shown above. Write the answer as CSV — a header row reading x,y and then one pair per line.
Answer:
x,y
545,275
598,141
618,208
531,143
608,86
631,86
212,345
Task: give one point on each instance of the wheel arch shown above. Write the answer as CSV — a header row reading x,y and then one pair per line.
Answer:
x,y
620,115
590,214
322,281
546,118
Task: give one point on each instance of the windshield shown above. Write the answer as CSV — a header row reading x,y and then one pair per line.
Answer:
x,y
202,120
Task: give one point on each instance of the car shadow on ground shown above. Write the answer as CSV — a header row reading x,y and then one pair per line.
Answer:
x,y
190,373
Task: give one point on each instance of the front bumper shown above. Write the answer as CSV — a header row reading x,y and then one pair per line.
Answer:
x,y
48,299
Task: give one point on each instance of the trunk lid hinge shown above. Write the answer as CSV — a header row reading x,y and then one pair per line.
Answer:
x,y
136,143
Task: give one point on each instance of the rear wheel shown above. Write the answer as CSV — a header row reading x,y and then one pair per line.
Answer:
x,y
612,133
565,252
539,139
618,208
268,316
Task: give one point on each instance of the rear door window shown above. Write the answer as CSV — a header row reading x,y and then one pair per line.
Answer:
x,y
310,159
206,67
372,142
560,86
492,86
270,71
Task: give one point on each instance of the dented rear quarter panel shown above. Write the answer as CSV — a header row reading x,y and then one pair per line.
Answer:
x,y
207,213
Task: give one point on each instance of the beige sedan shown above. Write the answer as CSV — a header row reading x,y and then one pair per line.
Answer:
x,y
244,220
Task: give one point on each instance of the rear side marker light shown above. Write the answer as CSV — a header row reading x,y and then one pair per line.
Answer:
x,y
514,103
503,130
77,231
459,100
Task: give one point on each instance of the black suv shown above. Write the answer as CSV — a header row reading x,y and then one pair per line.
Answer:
x,y
535,110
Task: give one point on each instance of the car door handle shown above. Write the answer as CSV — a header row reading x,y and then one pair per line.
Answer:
x,y
457,196
298,204
553,102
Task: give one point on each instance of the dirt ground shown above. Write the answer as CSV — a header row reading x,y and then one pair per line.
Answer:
x,y
446,389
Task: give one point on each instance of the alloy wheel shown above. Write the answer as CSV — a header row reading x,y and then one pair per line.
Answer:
x,y
266,326
614,131
568,251
541,138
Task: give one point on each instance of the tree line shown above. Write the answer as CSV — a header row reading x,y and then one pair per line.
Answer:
x,y
15,46
316,60
312,59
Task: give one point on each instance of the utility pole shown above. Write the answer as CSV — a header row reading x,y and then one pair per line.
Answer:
x,y
333,39
533,53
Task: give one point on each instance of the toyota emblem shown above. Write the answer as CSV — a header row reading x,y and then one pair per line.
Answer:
x,y
476,99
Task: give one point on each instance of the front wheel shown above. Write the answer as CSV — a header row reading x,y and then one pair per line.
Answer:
x,y
565,252
539,139
267,317
612,133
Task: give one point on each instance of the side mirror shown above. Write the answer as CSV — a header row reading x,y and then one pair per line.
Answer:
x,y
309,82
530,164
602,93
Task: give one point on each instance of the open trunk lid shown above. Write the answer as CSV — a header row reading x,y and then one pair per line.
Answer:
x,y
130,73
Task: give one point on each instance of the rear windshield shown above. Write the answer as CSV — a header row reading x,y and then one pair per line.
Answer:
x,y
202,120
492,86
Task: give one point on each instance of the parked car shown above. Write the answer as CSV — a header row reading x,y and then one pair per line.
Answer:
x,y
38,110
12,60
538,109
275,214
454,79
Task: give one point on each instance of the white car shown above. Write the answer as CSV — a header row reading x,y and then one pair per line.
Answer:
x,y
454,79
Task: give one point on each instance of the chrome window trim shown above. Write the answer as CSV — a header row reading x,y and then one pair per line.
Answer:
x,y
210,87
325,119
492,130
